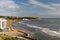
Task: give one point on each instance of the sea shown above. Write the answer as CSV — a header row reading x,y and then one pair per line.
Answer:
x,y
43,29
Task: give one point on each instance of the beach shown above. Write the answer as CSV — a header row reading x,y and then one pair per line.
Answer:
x,y
13,31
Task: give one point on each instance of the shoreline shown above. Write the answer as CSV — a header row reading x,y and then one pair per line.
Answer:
x,y
16,28
45,30
14,31
24,30
25,33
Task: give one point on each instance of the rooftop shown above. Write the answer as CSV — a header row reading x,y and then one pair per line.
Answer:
x,y
2,19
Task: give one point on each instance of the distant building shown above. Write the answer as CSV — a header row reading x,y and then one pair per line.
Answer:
x,y
2,23
25,19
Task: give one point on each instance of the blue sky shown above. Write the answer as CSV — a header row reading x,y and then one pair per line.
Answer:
x,y
27,8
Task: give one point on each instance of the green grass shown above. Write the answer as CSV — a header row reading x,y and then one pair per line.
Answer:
x,y
6,38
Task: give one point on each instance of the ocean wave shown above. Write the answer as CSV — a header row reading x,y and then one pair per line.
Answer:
x,y
45,30
32,26
51,32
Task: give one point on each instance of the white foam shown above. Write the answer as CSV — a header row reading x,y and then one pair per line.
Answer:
x,y
52,33
45,30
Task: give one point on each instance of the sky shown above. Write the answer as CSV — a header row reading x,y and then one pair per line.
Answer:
x,y
30,8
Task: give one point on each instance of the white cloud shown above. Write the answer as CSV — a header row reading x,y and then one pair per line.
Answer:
x,y
9,7
35,2
50,13
55,5
47,6
8,4
54,12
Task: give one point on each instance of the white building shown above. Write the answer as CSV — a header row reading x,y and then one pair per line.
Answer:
x,y
2,23
25,19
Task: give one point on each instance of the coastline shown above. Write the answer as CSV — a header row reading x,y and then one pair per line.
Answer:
x,y
13,28
14,31
17,32
23,30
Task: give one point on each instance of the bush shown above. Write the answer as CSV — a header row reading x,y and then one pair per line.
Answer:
x,y
9,38
6,38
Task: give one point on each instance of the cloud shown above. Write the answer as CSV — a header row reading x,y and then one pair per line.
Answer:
x,y
53,13
9,8
50,13
47,6
35,2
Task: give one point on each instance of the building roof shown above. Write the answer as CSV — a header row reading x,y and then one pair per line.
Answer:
x,y
2,19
